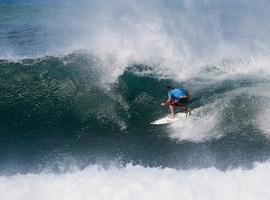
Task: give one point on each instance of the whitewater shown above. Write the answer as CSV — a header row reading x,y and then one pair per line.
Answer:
x,y
81,81
133,182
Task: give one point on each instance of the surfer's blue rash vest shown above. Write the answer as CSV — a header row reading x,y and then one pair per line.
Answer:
x,y
176,93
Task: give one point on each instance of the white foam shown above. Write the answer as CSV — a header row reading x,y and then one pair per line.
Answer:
x,y
263,118
137,182
178,40
198,127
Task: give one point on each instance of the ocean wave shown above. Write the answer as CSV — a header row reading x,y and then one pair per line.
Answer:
x,y
64,105
50,91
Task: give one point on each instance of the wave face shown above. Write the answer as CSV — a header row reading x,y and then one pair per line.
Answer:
x,y
58,111
81,82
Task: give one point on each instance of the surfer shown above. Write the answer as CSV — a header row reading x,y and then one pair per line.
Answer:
x,y
176,97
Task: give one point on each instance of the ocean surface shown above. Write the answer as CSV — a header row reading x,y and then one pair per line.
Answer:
x,y
80,83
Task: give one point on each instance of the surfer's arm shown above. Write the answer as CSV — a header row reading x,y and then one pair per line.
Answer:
x,y
169,99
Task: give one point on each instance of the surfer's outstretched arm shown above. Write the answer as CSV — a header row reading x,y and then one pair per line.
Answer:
x,y
167,102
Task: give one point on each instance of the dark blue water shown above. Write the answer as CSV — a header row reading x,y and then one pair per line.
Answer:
x,y
53,112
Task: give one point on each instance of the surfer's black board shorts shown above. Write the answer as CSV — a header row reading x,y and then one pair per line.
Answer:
x,y
180,101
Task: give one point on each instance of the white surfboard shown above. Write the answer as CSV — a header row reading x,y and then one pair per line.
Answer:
x,y
168,120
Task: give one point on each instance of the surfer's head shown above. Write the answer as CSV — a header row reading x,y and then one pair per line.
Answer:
x,y
169,87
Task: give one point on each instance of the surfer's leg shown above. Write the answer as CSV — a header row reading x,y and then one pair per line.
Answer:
x,y
182,107
171,110
181,104
185,108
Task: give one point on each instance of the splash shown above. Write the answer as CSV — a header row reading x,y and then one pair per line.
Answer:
x,y
198,127
181,39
